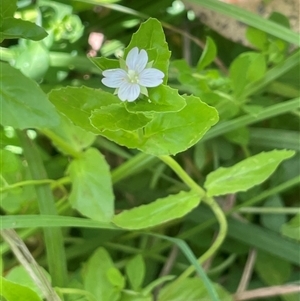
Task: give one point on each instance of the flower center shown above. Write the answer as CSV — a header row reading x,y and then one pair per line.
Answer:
x,y
133,76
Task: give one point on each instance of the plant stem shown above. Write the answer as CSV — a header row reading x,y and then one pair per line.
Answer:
x,y
53,236
220,216
182,175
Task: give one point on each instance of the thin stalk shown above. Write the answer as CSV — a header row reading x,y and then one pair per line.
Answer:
x,y
182,175
219,214
53,236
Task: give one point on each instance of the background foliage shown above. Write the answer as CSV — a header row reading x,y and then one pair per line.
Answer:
x,y
101,207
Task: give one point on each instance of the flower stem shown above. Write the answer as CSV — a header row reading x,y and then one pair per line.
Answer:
x,y
53,236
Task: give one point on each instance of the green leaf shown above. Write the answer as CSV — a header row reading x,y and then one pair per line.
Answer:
x,y
15,292
18,274
50,221
191,289
292,228
271,269
8,8
34,60
246,68
95,276
273,221
9,162
116,278
23,103
115,117
12,28
208,55
76,138
92,193
170,133
161,99
150,37
245,174
79,103
104,63
158,212
135,271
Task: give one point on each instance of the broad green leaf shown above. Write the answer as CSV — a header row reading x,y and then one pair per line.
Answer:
x,y
15,292
19,275
245,174
115,117
292,228
208,55
8,7
272,270
150,36
9,162
78,103
91,192
34,60
161,99
74,136
273,221
257,38
23,103
95,276
170,133
191,289
158,212
246,68
116,278
104,63
135,271
12,28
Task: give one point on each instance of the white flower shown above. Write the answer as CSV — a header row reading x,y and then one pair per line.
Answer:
x,y
134,78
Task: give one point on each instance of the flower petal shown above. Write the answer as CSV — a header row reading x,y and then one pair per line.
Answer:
x,y
114,77
151,77
128,91
131,58
141,61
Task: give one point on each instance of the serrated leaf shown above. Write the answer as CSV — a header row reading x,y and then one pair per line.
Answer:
x,y
158,212
12,28
115,117
23,103
91,192
15,292
161,99
95,277
150,36
245,174
79,103
208,55
170,133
